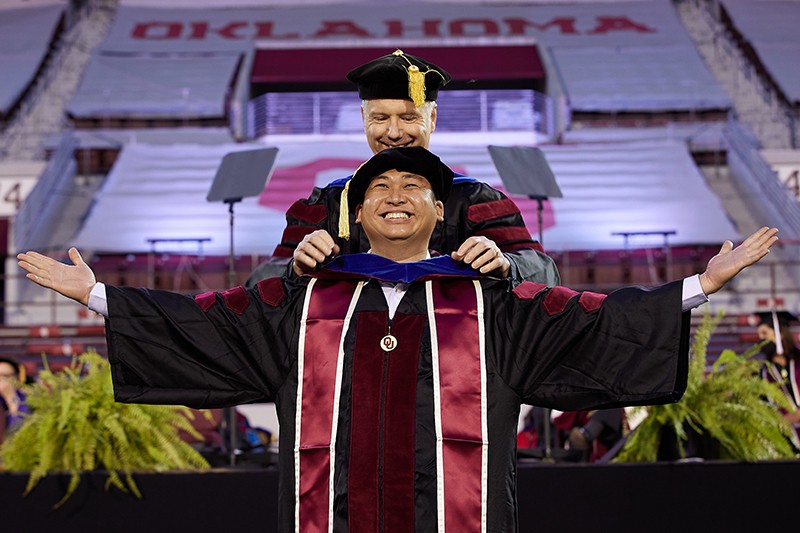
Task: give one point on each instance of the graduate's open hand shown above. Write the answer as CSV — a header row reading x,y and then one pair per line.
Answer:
x,y
73,281
312,251
730,261
483,255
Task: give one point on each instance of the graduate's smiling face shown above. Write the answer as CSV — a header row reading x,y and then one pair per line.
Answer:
x,y
398,214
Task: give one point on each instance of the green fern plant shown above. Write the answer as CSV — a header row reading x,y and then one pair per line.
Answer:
x,y
730,403
76,426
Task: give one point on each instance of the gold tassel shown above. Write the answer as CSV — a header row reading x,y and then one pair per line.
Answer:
x,y
416,85
344,210
344,213
416,79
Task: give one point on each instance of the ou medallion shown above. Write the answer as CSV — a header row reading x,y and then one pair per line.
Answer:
x,y
388,343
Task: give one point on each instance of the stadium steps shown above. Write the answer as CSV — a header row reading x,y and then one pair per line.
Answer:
x,y
43,113
753,97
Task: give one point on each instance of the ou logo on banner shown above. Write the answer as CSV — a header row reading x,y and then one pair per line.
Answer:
x,y
288,184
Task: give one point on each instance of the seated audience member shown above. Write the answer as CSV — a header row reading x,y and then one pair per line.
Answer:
x,y
781,359
592,432
12,400
207,424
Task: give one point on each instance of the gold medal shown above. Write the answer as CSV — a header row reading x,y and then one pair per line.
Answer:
x,y
388,343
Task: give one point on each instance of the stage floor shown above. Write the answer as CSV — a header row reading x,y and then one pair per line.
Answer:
x,y
686,497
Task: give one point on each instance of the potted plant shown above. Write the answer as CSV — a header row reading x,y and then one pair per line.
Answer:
x,y
76,426
727,412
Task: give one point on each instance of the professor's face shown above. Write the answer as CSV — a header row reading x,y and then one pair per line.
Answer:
x,y
393,123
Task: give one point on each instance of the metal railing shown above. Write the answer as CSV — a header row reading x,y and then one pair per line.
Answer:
x,y
321,113
753,174
38,216
770,199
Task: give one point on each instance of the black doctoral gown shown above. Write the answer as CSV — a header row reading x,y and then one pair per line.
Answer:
x,y
472,209
424,433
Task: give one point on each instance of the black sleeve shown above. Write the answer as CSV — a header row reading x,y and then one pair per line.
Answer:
x,y
574,351
214,350
303,217
534,265
318,211
274,267
476,209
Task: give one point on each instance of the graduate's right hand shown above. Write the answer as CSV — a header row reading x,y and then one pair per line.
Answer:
x,y
73,281
312,251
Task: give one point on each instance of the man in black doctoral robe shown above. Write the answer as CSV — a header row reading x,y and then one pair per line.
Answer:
x,y
480,221
398,378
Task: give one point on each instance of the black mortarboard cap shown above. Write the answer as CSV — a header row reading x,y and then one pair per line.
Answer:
x,y
765,317
783,318
414,159
399,76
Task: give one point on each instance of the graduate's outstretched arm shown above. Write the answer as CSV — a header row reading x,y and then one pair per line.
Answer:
x,y
73,281
730,261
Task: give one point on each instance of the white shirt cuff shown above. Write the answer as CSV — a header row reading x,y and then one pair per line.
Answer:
x,y
97,299
693,295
